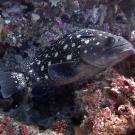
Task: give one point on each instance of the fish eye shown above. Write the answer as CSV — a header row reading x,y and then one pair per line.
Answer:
x,y
111,40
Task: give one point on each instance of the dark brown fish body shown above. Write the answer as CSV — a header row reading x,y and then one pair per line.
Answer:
x,y
77,56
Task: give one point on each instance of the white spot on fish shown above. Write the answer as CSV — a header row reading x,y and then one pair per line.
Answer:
x,y
78,36
85,51
100,34
97,43
23,84
46,77
40,55
79,46
38,79
38,62
20,75
46,55
93,39
62,42
65,47
73,44
87,41
49,63
42,68
56,54
27,78
30,71
105,36
82,39
12,76
69,57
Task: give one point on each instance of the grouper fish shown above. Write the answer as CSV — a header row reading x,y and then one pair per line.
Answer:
x,y
78,56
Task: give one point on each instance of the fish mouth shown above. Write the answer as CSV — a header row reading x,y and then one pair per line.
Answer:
x,y
122,48
119,60
118,53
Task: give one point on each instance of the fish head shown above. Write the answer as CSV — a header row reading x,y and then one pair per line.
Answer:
x,y
103,49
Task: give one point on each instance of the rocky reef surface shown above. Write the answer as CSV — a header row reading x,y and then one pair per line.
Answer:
x,y
103,105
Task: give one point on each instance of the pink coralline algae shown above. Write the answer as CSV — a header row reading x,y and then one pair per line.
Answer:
x,y
124,86
60,126
6,125
106,122
25,130
9,127
109,104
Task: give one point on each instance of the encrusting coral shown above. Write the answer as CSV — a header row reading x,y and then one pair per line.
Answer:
x,y
109,104
28,26
9,127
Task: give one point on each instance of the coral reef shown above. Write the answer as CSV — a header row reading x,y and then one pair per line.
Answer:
x,y
60,126
9,127
107,103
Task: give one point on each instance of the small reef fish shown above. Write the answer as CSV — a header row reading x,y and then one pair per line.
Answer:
x,y
77,56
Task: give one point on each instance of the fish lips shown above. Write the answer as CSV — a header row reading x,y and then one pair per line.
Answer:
x,y
114,55
126,48
119,53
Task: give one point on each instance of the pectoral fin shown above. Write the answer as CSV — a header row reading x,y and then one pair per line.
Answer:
x,y
66,70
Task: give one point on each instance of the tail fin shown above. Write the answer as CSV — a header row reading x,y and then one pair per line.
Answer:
x,y
11,82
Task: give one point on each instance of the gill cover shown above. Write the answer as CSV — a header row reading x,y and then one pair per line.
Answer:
x,y
91,50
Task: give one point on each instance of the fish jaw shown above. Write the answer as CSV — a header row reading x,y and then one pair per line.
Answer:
x,y
117,54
